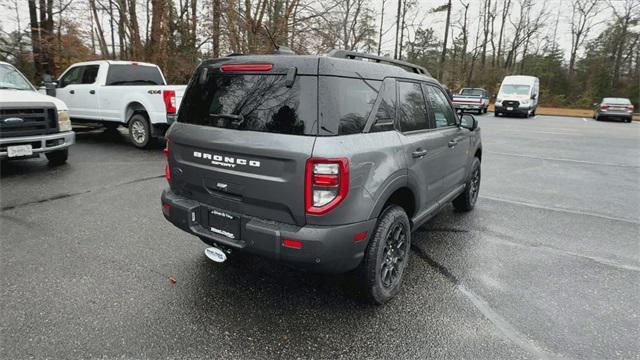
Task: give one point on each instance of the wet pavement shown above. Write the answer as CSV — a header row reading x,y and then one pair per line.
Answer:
x,y
546,266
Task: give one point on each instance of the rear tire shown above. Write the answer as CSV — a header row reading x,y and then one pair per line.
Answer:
x,y
381,271
628,120
57,157
139,131
467,200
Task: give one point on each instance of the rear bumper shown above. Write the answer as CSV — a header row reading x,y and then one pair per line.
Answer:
x,y
326,249
40,143
462,107
622,114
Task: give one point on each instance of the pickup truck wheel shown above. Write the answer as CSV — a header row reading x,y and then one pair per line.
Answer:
x,y
467,200
139,131
57,157
381,271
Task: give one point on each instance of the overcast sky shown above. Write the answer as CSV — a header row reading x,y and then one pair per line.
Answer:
x,y
423,18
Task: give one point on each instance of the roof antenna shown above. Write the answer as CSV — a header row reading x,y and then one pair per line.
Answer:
x,y
280,50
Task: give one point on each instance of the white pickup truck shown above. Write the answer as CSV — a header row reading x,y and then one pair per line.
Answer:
x,y
31,123
114,93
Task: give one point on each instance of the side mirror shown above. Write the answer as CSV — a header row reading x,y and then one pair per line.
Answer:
x,y
467,121
50,87
533,96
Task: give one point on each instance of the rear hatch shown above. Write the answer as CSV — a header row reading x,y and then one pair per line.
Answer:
x,y
245,130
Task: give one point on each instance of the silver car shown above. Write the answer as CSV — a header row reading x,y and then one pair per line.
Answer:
x,y
613,108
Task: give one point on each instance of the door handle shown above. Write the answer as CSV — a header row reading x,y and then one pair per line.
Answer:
x,y
453,143
72,91
92,92
419,153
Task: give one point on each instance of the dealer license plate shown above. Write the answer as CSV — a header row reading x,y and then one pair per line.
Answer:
x,y
19,150
225,224
510,108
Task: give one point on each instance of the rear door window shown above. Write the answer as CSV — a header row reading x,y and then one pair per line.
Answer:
x,y
124,74
345,104
412,112
90,73
252,103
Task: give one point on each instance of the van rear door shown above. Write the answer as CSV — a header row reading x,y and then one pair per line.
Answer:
x,y
242,139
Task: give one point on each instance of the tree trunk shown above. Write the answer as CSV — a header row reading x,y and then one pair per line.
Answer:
x,y
156,51
395,49
134,31
216,28
381,26
443,55
505,14
113,41
104,49
35,38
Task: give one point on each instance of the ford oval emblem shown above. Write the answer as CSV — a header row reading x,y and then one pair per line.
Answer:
x,y
13,120
215,254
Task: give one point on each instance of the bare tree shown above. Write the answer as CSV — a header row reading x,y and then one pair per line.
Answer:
x,y
582,20
506,7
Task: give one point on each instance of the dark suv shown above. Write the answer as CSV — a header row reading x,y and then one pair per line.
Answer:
x,y
323,162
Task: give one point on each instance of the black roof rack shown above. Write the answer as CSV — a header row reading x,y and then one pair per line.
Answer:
x,y
347,54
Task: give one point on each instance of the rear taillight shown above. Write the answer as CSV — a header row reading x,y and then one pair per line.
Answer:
x,y
630,107
169,97
326,184
167,168
604,106
245,67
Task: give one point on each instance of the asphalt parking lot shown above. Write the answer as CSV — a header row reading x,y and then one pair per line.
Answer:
x,y
547,266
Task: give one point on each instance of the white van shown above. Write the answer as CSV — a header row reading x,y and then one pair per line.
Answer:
x,y
518,95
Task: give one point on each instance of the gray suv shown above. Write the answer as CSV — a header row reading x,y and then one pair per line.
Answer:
x,y
327,163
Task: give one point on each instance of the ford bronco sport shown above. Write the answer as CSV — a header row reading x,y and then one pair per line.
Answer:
x,y
323,162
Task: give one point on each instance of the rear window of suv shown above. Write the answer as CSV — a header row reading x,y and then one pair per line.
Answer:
x,y
252,102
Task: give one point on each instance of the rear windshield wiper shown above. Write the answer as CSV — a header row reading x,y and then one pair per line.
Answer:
x,y
237,120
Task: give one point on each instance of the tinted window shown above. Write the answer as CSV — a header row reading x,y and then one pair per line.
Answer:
x,y
345,104
442,112
90,73
252,102
386,111
412,113
73,76
134,75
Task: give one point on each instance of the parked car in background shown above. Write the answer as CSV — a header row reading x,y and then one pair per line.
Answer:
x,y
31,123
114,93
471,99
327,163
518,95
613,108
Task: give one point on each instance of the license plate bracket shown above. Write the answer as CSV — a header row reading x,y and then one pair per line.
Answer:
x,y
19,150
223,223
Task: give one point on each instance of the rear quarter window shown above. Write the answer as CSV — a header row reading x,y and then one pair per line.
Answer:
x,y
345,104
